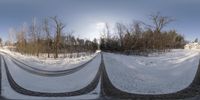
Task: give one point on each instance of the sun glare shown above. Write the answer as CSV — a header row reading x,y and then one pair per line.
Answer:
x,y
100,25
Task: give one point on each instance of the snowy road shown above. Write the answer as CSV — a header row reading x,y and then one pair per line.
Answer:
x,y
166,73
83,83
90,87
107,76
108,89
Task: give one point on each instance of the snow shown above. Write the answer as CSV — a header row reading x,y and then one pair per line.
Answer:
x,y
51,64
157,74
9,93
65,83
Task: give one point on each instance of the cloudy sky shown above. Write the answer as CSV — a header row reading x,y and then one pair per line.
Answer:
x,y
87,17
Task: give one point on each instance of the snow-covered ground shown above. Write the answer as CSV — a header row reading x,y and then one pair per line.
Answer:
x,y
157,74
72,82
66,83
9,93
51,64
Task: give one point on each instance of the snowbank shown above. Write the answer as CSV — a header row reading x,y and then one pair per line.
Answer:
x,y
51,64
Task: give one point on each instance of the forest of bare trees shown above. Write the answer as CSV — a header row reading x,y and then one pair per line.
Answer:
x,y
0,42
140,38
48,36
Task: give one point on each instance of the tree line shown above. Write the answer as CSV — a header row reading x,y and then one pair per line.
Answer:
x,y
1,42
48,36
139,37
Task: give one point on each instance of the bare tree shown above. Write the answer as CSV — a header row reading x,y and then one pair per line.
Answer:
x,y
35,35
11,35
40,40
21,39
136,34
0,42
159,21
120,31
48,36
138,40
59,28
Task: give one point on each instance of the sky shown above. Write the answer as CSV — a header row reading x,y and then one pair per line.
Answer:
x,y
86,18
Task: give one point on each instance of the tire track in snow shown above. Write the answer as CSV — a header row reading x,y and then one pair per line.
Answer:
x,y
89,88
41,72
1,98
109,91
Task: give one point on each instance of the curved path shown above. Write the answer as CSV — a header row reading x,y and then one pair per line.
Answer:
x,y
110,91
90,87
41,72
